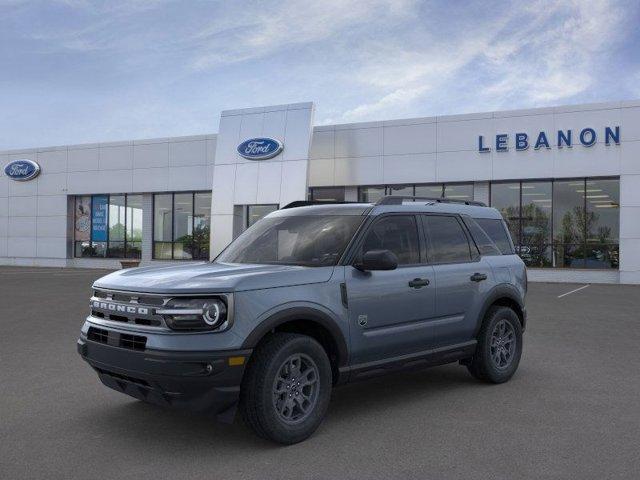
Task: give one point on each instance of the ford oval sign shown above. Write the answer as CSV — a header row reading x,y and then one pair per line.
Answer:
x,y
260,148
22,170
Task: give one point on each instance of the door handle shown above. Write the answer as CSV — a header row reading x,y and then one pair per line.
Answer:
x,y
478,277
418,282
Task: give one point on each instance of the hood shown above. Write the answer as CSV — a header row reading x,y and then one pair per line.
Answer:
x,y
211,277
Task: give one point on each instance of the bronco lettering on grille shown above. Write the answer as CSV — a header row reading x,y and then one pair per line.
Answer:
x,y
114,307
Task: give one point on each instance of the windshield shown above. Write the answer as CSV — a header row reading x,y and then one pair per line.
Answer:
x,y
312,241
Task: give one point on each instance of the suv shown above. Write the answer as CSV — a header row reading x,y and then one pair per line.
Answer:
x,y
310,297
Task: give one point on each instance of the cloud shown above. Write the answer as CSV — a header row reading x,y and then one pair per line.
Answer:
x,y
94,71
246,33
536,54
556,56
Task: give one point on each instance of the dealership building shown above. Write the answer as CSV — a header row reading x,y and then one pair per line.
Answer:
x,y
566,179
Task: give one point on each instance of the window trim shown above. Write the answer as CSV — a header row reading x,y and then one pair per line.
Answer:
x,y
173,210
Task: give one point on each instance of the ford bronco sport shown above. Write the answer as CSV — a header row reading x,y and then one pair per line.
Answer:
x,y
310,297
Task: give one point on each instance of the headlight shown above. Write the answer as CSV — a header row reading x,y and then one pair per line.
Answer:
x,y
195,314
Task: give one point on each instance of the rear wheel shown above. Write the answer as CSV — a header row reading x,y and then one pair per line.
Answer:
x,y
287,387
499,346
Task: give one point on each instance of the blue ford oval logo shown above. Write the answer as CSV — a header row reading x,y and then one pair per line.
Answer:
x,y
22,170
260,148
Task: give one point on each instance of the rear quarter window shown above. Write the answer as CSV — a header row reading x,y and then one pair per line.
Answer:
x,y
497,232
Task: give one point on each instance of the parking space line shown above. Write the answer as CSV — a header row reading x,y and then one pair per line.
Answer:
x,y
573,291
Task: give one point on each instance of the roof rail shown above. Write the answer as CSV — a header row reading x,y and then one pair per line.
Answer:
x,y
399,199
307,203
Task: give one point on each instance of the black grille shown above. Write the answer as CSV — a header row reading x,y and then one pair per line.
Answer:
x,y
141,299
133,342
98,335
123,340
127,308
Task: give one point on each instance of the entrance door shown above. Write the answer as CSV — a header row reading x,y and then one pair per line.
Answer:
x,y
391,311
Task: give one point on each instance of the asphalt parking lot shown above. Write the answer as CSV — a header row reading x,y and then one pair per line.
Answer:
x,y
571,411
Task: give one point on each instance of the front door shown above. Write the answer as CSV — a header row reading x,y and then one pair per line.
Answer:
x,y
391,311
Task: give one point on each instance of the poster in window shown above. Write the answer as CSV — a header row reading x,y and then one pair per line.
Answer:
x,y
83,219
99,218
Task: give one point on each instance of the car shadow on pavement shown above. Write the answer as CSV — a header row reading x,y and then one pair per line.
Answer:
x,y
159,427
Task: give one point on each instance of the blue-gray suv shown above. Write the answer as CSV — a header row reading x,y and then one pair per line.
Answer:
x,y
310,297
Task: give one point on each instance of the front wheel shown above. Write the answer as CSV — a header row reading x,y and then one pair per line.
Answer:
x,y
499,346
286,390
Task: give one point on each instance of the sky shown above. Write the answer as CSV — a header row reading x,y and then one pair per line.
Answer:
x,y
78,71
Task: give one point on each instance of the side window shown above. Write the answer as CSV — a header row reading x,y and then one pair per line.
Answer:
x,y
448,241
482,240
497,232
397,233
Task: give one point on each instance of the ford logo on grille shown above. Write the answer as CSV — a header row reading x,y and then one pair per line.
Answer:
x,y
22,170
260,148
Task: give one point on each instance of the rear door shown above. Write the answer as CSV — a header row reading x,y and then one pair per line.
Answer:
x,y
390,312
462,278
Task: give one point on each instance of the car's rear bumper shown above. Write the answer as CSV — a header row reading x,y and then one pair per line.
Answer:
x,y
198,381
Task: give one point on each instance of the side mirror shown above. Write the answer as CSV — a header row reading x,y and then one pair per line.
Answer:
x,y
377,260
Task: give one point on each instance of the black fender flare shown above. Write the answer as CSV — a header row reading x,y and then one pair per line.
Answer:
x,y
498,292
301,313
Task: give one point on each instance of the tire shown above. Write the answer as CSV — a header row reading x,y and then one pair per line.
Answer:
x,y
495,360
271,402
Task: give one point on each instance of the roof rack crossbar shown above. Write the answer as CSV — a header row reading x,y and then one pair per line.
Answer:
x,y
399,199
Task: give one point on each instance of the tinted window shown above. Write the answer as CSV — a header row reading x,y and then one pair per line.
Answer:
x,y
397,233
448,240
496,231
312,241
482,240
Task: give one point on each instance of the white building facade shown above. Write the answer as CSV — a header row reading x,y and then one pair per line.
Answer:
x,y
567,180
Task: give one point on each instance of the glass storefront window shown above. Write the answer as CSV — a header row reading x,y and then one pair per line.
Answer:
x,y
562,223
535,241
108,226
398,190
182,223
602,223
162,226
370,194
460,191
327,194
506,198
201,225
134,226
569,222
256,212
117,219
429,191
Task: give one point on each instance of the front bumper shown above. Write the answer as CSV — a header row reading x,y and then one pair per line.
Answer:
x,y
197,381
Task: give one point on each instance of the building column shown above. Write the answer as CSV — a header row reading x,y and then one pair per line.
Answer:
x,y
629,229
147,227
481,192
